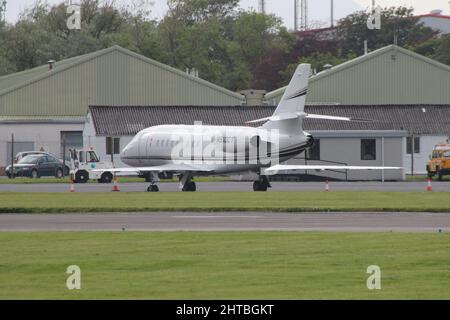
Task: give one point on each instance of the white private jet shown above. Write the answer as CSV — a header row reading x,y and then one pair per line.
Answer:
x,y
197,150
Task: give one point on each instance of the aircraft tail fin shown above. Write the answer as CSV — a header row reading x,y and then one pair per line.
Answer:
x,y
292,104
290,111
294,98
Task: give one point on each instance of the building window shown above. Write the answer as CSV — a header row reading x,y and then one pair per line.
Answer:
x,y
116,146
368,149
313,153
416,145
71,140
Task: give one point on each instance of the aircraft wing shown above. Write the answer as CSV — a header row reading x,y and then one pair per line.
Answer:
x,y
275,169
162,168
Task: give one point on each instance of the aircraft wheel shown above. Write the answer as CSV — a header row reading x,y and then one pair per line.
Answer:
x,y
259,186
190,187
153,188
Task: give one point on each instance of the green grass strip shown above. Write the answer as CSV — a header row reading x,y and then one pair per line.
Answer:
x,y
224,265
225,201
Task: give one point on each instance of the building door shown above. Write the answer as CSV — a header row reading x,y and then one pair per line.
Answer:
x,y
18,147
73,140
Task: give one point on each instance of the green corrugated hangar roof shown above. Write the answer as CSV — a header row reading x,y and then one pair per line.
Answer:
x,y
390,75
113,76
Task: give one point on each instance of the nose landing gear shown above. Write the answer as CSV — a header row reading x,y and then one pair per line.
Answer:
x,y
153,179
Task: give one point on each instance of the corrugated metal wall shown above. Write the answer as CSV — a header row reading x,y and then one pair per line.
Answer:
x,y
115,78
393,77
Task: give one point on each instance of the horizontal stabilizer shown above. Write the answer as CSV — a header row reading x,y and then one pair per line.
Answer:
x,y
286,116
259,120
323,117
276,169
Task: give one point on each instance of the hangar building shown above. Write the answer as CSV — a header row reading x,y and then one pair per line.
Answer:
x,y
48,104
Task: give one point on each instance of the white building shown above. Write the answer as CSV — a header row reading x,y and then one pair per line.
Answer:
x,y
436,21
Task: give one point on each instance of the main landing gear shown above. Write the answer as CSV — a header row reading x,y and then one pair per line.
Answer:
x,y
262,184
153,179
186,183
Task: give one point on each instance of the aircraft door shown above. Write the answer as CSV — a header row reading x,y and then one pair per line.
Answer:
x,y
142,149
148,149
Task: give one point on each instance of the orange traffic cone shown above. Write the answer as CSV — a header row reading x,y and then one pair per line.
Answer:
x,y
327,186
115,187
72,187
429,186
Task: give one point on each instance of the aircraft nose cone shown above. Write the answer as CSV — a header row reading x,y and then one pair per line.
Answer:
x,y
123,153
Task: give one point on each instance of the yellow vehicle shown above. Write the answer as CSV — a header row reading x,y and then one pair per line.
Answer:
x,y
439,164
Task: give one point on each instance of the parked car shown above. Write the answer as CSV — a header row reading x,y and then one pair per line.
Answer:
x,y
23,154
37,165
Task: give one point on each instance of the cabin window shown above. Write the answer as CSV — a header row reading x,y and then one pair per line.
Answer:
x,y
368,149
112,143
409,145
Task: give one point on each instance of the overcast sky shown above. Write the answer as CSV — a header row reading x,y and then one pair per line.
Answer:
x,y
319,10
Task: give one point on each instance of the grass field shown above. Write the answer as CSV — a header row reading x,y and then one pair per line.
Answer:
x,y
225,201
229,265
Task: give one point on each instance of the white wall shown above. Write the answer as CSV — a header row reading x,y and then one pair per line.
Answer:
x,y
98,143
427,144
45,135
348,151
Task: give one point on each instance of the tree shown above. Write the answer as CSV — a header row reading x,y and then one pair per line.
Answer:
x,y
265,46
229,46
198,34
5,65
195,11
442,53
398,22
256,34
318,63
